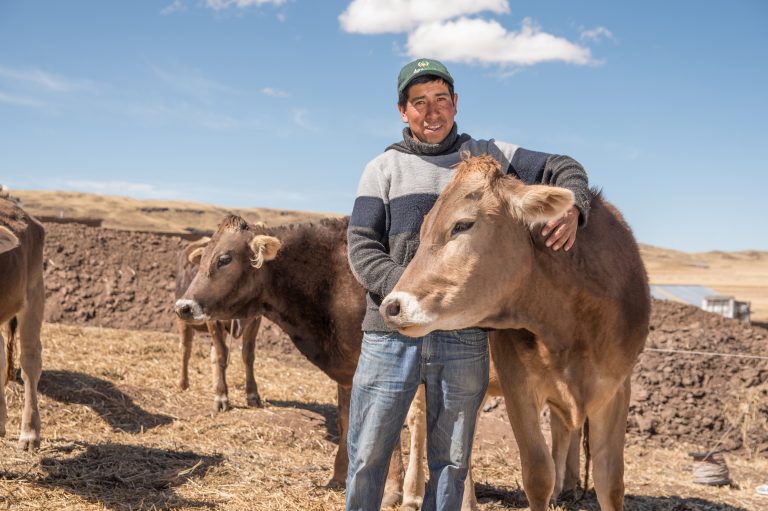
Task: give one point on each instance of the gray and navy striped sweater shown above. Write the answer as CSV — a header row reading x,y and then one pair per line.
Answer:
x,y
400,186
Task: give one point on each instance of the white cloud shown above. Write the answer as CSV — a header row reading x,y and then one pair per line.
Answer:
x,y
219,5
9,99
275,93
381,16
175,6
47,81
300,118
192,83
596,34
486,41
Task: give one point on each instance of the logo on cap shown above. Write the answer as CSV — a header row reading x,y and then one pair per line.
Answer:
x,y
423,63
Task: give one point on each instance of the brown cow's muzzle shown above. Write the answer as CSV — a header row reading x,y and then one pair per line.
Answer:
x,y
189,310
404,312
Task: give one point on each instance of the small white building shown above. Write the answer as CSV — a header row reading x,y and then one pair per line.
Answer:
x,y
704,298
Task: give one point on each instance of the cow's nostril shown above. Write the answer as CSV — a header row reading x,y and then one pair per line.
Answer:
x,y
183,310
393,308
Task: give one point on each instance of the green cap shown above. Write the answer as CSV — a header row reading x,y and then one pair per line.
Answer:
x,y
420,67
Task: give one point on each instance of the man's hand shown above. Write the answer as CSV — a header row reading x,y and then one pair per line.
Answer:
x,y
563,230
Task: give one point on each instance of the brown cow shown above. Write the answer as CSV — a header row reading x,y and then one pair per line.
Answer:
x,y
298,277
22,298
574,321
186,269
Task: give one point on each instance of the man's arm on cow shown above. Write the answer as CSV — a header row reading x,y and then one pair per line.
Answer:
x,y
368,256
565,172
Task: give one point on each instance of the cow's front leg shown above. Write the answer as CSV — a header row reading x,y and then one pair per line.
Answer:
x,y
186,334
414,482
536,462
341,462
250,332
219,358
3,378
30,320
607,427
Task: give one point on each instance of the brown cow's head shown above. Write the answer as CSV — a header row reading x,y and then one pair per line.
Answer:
x,y
476,245
227,283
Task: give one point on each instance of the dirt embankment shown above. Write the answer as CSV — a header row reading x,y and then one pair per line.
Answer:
x,y
121,279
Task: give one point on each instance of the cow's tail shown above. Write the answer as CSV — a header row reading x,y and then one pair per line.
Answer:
x,y
10,347
587,459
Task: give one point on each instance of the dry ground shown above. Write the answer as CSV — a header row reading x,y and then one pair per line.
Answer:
x,y
118,435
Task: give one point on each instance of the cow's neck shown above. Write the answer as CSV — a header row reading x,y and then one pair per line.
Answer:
x,y
296,292
543,304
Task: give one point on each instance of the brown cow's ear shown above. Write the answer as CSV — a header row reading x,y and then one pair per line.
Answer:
x,y
8,240
195,256
195,249
537,204
264,249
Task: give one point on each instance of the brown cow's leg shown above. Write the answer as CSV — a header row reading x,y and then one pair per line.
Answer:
x,y
469,500
561,444
607,427
536,461
249,342
414,482
393,489
219,358
341,462
3,378
571,479
186,334
30,320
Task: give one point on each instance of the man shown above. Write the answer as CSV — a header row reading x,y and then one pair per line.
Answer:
x,y
396,190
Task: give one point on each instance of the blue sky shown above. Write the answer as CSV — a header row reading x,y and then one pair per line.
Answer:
x,y
280,103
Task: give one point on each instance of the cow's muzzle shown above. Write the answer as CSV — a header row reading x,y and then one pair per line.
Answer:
x,y
189,310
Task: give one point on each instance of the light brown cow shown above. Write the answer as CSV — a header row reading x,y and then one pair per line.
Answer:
x,y
574,322
22,298
298,277
247,330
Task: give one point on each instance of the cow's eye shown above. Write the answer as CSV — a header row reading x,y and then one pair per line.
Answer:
x,y
461,227
224,259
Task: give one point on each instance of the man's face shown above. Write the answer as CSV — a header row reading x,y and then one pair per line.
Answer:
x,y
429,111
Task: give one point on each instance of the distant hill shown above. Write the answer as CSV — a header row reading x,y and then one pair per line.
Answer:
x,y
165,216
741,274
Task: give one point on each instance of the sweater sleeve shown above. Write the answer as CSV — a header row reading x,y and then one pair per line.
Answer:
x,y
367,238
534,167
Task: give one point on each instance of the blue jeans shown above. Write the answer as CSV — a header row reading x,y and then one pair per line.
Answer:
x,y
454,367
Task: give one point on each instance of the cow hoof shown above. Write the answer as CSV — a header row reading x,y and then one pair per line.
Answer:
x,y
183,385
411,506
392,499
220,404
29,443
336,484
254,400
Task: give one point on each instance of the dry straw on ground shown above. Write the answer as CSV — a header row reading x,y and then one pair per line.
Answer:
x,y
118,435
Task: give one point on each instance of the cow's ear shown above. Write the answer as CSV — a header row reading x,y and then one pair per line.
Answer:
x,y
8,240
195,256
264,249
196,248
537,204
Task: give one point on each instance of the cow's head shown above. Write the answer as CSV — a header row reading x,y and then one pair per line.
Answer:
x,y
228,281
476,245
8,240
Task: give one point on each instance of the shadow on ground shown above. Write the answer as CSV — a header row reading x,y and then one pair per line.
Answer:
x,y
329,413
120,476
514,498
113,405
